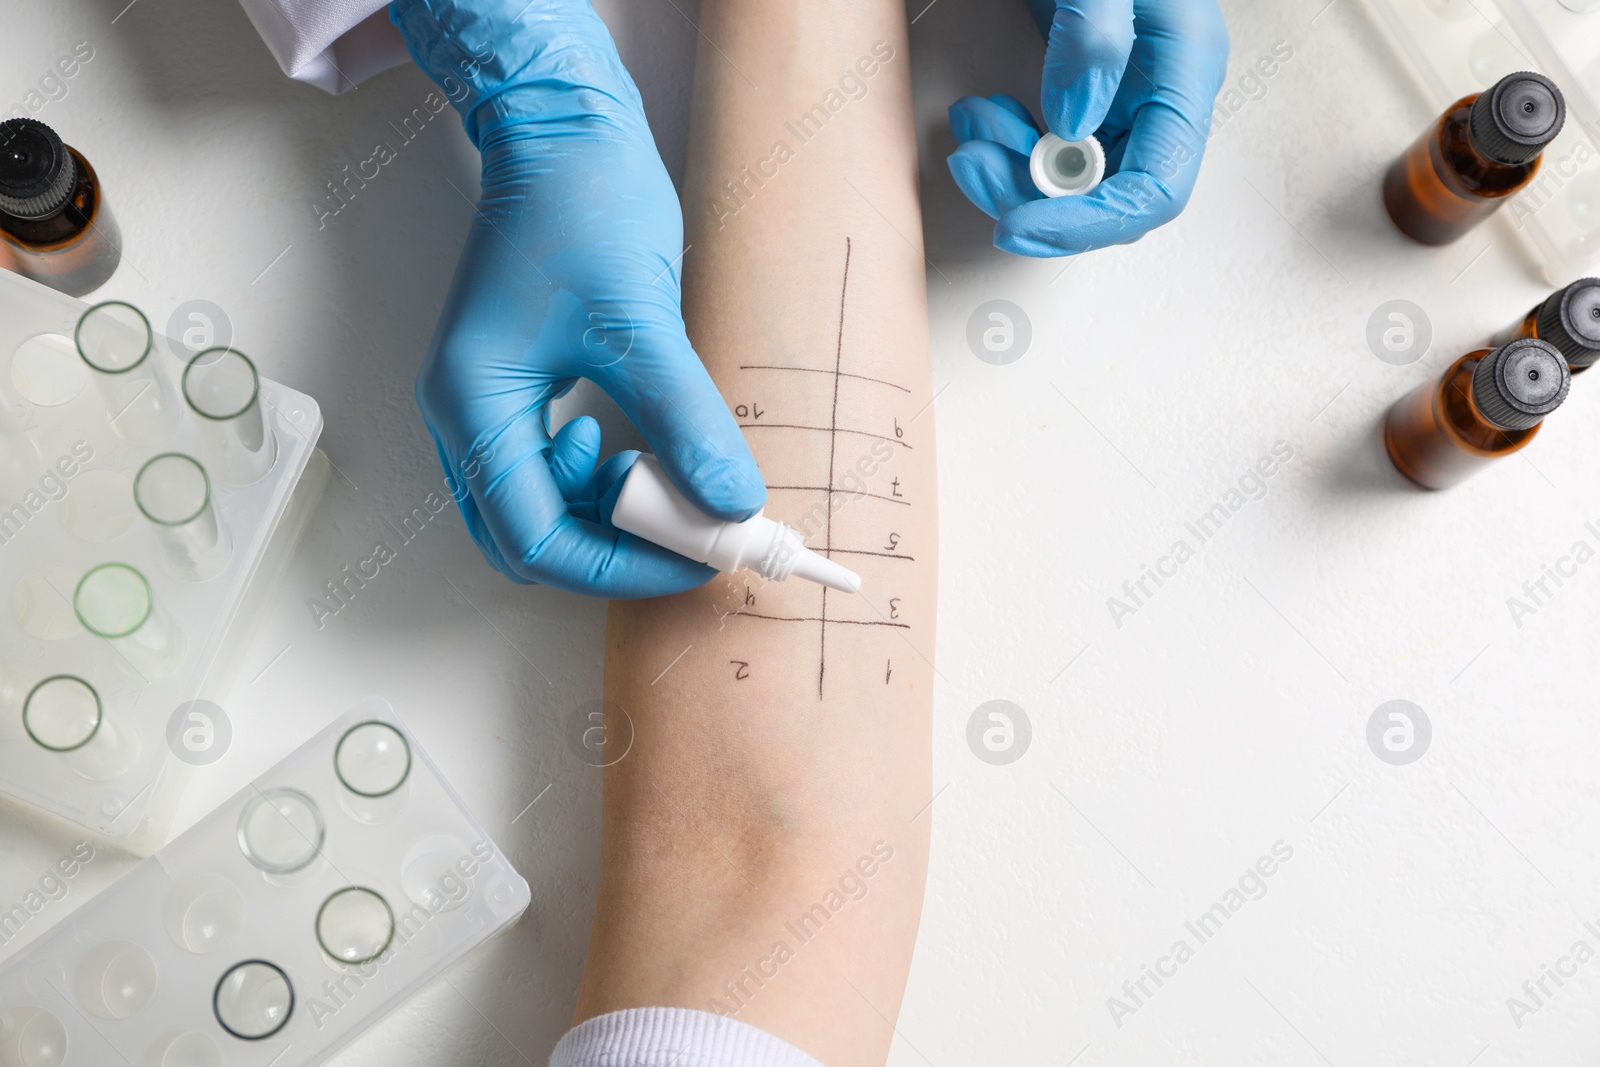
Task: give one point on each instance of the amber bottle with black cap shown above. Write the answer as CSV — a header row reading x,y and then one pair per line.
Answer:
x,y
1483,149
1489,404
1569,319
54,221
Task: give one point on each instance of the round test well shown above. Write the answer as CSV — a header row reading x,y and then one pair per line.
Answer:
x,y
115,979
221,384
202,913
113,600
355,925
172,489
188,1049
62,713
32,1036
113,337
430,875
280,830
253,1000
46,370
372,759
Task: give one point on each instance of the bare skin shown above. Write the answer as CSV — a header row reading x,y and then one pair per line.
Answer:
x,y
765,838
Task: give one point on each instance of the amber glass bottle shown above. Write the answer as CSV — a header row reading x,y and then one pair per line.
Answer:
x,y
54,221
1483,149
1489,404
1569,319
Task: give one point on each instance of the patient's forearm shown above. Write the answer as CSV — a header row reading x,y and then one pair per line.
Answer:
x,y
765,839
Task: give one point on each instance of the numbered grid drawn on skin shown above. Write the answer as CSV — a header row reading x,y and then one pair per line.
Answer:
x,y
845,507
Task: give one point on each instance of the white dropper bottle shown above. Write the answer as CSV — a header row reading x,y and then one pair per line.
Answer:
x,y
651,507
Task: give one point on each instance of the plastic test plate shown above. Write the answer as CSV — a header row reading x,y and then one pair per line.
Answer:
x,y
66,506
277,928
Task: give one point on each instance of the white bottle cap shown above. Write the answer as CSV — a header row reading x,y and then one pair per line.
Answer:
x,y
1067,168
651,507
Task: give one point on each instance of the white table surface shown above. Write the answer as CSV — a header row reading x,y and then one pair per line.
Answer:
x,y
1228,713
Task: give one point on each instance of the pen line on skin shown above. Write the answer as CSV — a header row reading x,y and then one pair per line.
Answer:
x,y
819,370
833,442
824,489
821,429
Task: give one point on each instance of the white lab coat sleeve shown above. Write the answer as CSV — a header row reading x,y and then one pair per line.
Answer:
x,y
333,44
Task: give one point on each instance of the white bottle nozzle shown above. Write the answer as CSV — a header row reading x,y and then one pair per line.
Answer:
x,y
651,507
1067,168
826,572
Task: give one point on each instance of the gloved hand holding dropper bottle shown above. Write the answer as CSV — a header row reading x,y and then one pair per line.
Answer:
x,y
570,270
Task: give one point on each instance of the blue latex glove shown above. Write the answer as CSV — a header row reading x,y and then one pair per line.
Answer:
x,y
570,271
1143,76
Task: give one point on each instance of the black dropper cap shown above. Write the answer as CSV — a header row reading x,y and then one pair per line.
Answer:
x,y
1519,384
1570,320
1521,113
36,170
